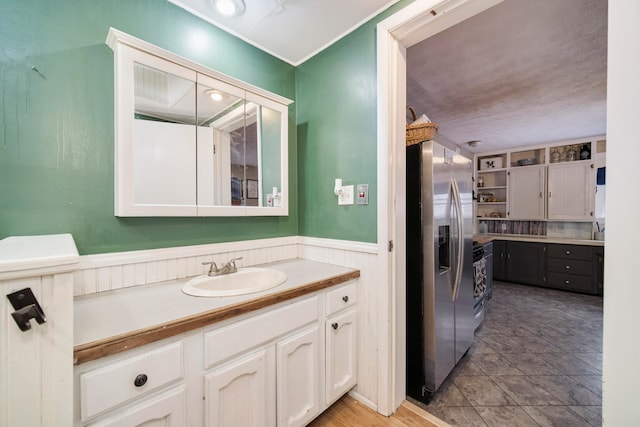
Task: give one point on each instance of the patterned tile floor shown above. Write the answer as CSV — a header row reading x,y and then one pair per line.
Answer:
x,y
536,361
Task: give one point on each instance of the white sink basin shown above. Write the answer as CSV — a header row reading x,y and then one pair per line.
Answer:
x,y
244,281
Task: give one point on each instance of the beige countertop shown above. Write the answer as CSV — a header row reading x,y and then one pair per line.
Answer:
x,y
110,322
539,239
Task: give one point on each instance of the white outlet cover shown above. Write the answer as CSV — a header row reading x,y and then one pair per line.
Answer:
x,y
346,198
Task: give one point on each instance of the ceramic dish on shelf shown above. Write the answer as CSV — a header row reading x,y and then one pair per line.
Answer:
x,y
526,162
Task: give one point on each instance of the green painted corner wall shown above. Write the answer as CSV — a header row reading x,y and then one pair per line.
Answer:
x,y
336,108
56,146
56,138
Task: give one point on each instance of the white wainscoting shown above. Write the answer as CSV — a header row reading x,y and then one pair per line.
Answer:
x,y
104,272
363,256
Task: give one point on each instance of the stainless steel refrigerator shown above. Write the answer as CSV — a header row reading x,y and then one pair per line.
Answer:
x,y
440,324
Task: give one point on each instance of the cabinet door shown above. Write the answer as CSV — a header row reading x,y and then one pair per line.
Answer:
x,y
340,355
598,267
236,394
526,193
298,378
499,260
167,410
526,262
571,191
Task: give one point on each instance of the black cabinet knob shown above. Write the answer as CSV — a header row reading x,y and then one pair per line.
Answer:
x,y
334,325
140,380
345,298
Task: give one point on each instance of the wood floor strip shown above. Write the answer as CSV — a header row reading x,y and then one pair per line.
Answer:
x,y
348,412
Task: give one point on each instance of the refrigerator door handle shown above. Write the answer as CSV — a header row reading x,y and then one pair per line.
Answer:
x,y
459,220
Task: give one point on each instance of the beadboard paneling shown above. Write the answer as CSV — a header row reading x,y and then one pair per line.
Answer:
x,y
105,272
364,257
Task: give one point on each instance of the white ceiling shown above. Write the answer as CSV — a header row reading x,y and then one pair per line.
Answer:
x,y
521,73
292,30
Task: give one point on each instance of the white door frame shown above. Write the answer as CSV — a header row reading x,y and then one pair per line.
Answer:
x,y
410,25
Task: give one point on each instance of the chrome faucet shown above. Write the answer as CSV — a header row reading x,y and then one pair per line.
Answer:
x,y
227,268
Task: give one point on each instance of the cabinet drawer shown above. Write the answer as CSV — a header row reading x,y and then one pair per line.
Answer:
x,y
343,297
121,381
167,409
569,266
228,341
570,281
569,251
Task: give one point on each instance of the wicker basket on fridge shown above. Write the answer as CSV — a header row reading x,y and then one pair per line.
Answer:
x,y
420,132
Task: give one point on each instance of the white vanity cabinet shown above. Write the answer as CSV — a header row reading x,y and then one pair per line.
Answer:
x,y
166,409
299,377
279,366
129,381
239,393
340,333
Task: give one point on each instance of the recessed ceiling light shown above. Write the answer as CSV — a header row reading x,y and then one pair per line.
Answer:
x,y
216,95
229,7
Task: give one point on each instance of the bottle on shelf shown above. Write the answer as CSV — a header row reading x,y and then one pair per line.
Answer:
x,y
571,154
585,152
480,181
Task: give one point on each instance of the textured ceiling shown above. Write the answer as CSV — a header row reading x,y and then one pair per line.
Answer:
x,y
521,73
292,30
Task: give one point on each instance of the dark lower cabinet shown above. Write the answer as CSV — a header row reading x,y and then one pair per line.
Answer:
x,y
526,262
499,260
598,269
578,268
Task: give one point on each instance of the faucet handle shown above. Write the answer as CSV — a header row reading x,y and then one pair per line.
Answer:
x,y
233,261
213,268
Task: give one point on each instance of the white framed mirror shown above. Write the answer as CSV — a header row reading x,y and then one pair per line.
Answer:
x,y
193,142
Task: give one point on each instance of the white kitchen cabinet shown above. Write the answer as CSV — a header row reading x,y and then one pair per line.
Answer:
x,y
299,377
526,192
166,410
237,393
571,191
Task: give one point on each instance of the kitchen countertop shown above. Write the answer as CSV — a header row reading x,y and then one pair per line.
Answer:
x,y
539,239
110,322
482,239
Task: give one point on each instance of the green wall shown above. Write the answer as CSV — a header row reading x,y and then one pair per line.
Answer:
x,y
56,136
337,136
56,140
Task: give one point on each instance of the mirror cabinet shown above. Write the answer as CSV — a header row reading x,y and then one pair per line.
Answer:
x,y
191,141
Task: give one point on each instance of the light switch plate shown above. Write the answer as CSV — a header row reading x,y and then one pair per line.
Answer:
x,y
346,198
362,194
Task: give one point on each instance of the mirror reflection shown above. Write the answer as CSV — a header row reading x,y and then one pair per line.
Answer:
x,y
235,159
163,138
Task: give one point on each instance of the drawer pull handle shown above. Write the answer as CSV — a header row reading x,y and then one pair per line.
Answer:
x,y
334,325
345,298
140,380
566,282
568,252
568,267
